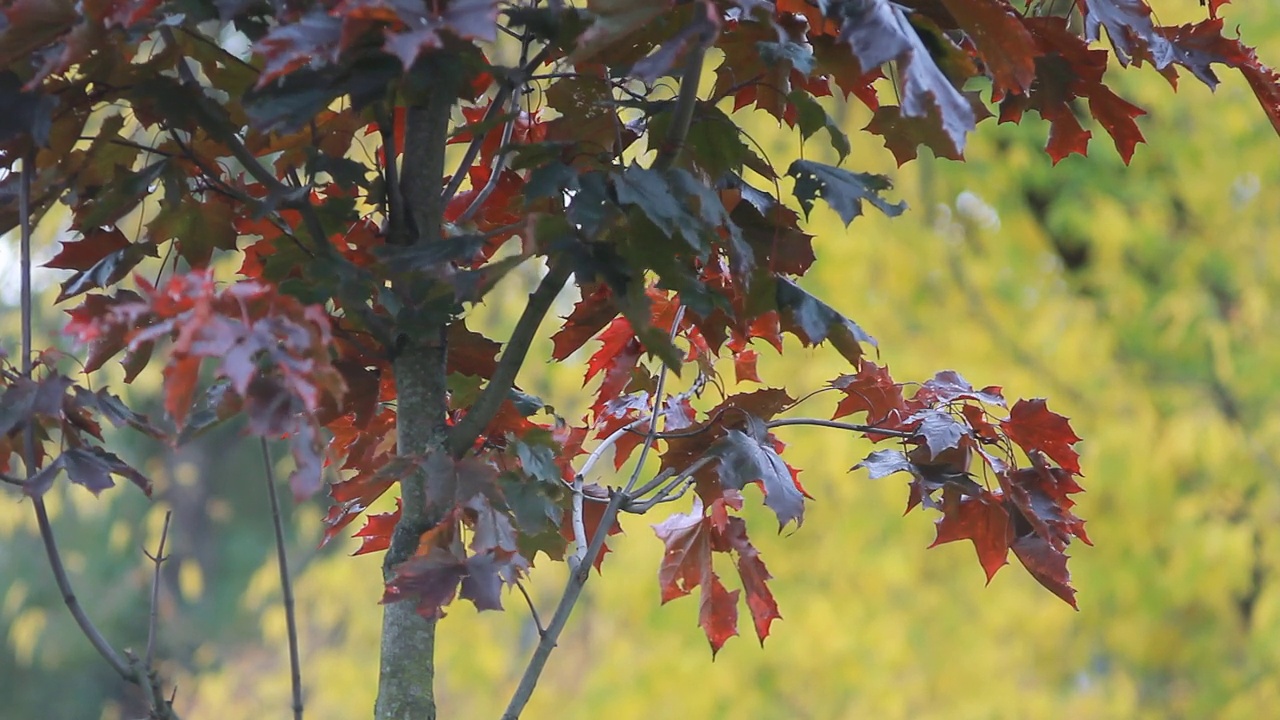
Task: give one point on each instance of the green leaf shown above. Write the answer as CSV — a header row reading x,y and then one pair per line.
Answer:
x,y
800,56
812,117
714,141
813,321
197,228
538,460
651,191
844,191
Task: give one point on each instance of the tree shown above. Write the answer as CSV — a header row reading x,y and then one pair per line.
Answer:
x,y
378,167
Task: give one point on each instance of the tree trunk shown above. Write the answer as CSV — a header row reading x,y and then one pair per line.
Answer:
x,y
407,666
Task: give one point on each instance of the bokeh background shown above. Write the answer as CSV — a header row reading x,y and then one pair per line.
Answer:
x,y
1141,300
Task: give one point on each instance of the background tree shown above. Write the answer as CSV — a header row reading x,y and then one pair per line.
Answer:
x,y
644,201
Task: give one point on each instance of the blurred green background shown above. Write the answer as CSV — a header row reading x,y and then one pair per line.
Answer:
x,y
1140,300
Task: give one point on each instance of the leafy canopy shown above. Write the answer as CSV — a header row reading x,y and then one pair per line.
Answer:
x,y
190,137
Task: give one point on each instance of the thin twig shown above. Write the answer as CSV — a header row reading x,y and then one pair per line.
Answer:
x,y
10,480
672,492
159,707
579,517
286,585
499,101
782,422
158,559
653,484
86,625
508,128
573,590
537,621
659,390
607,443
495,172
473,150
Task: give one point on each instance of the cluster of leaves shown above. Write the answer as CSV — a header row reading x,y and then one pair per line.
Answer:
x,y
671,222
63,420
271,353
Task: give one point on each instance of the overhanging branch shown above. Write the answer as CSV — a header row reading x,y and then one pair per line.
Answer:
x,y
464,434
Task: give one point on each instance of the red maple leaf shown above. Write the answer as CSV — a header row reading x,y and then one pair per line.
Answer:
x,y
686,565
85,253
744,366
983,520
732,535
1047,565
874,392
589,317
1034,427
617,358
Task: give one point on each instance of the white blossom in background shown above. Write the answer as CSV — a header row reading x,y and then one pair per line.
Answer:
x,y
976,210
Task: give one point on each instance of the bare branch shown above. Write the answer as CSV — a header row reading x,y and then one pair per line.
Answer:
x,y
499,102
286,585
573,590
464,434
537,621
86,625
652,436
160,708
158,559
818,422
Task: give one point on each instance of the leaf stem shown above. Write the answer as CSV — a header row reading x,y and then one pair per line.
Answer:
x,y
659,389
537,621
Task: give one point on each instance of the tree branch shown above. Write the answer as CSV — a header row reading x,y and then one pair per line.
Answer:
x,y
686,102
286,585
158,559
578,575
464,434
499,101
86,625
818,422
573,589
